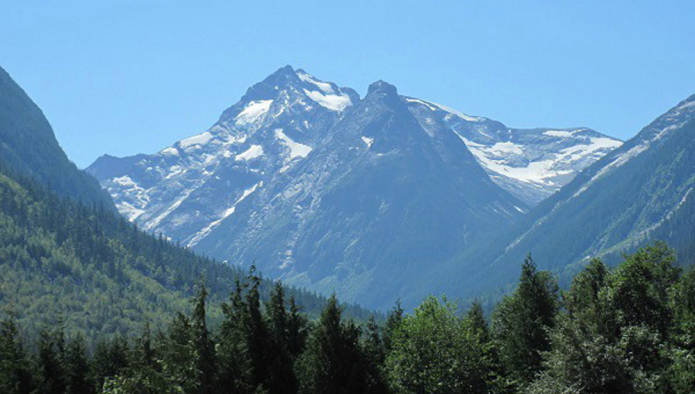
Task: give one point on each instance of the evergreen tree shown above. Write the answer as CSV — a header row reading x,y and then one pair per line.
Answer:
x,y
50,362
77,367
521,323
476,321
333,361
489,368
375,355
15,374
111,358
297,330
203,351
234,366
281,378
393,322
177,357
256,334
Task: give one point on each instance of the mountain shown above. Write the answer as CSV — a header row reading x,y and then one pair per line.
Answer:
x,y
66,258
186,189
638,193
29,147
337,193
531,164
97,274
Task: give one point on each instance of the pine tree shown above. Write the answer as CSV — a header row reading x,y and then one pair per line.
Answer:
x,y
281,378
203,351
50,362
110,359
393,322
177,357
297,330
15,374
77,368
521,323
333,361
234,366
256,333
476,321
375,355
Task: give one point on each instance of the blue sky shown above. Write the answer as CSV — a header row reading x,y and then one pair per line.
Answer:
x,y
125,77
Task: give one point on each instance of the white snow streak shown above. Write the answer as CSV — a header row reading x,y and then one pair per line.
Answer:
x,y
296,149
252,112
199,139
333,102
228,212
251,153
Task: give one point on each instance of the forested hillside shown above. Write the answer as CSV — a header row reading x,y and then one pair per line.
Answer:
x,y
627,330
95,273
28,145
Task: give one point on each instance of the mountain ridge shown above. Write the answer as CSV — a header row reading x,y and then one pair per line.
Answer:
x,y
638,193
224,190
28,146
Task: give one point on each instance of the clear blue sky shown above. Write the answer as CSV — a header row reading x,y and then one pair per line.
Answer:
x,y
128,78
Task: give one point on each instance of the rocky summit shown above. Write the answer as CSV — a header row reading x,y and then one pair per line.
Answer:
x,y
338,193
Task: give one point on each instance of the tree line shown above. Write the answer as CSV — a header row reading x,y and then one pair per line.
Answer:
x,y
90,267
629,329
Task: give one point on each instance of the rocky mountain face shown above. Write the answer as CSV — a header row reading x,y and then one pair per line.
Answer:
x,y
337,193
531,164
29,148
639,193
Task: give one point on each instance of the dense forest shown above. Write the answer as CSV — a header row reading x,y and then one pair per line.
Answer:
x,y
629,329
90,270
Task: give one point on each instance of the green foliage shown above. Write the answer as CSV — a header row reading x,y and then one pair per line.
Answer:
x,y
625,330
333,361
15,371
29,147
104,277
435,351
521,322
620,331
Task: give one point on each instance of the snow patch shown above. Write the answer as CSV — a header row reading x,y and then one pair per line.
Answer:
x,y
506,148
251,153
459,113
169,210
421,102
227,212
296,149
199,139
494,159
333,102
323,86
170,151
559,133
252,112
129,211
124,180
686,105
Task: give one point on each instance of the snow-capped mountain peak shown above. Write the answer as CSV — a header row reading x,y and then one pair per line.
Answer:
x,y
318,184
275,125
